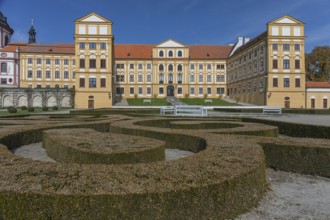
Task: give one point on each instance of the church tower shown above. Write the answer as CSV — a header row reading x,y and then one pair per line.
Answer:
x,y
5,31
32,34
94,51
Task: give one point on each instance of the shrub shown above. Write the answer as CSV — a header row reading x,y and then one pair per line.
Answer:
x,y
55,108
24,107
45,108
155,96
136,95
12,109
30,109
205,96
186,95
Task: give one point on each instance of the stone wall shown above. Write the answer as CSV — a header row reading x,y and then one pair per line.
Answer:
x,y
16,97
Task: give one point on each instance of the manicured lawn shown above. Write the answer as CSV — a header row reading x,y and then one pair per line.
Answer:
x,y
4,112
201,101
154,102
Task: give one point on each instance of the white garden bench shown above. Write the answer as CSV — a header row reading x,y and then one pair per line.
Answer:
x,y
208,100
146,100
166,109
270,109
190,110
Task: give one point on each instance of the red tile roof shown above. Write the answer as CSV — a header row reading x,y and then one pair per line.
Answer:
x,y
49,48
317,85
209,51
133,51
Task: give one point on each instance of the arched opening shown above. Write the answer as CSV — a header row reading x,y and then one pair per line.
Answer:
x,y
170,53
161,67
170,67
170,90
161,53
179,67
287,102
179,53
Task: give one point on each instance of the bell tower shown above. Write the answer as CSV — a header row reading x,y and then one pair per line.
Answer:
x,y
94,49
5,31
32,34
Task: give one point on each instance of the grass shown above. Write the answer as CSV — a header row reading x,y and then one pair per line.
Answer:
x,y
4,112
154,102
201,101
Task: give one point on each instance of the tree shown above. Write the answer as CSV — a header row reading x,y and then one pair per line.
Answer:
x,y
318,64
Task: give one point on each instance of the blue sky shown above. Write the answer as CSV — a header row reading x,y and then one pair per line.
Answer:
x,y
153,21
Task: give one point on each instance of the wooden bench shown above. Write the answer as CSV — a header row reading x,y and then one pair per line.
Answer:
x,y
146,100
269,109
166,109
190,110
208,100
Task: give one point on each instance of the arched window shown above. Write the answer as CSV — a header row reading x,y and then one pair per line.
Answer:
x,y
179,78
170,78
161,67
170,67
161,78
179,67
179,53
170,53
3,67
6,40
161,53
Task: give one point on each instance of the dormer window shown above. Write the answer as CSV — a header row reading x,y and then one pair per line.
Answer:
x,y
161,53
170,53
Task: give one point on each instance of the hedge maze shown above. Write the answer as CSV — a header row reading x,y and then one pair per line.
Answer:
x,y
112,166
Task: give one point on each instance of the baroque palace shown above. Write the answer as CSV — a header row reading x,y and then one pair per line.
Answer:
x,y
267,70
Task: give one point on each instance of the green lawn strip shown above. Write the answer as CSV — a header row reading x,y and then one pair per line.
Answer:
x,y
23,112
153,102
201,101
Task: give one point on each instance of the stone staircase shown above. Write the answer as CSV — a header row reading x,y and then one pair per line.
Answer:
x,y
174,101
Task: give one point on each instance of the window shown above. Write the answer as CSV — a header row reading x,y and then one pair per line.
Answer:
x,y
140,66
140,79
3,81
38,86
140,91
275,64
161,67
131,78
47,61
200,78
47,86
103,64
29,74
179,78
179,53
179,91
66,62
149,66
286,64
192,66
275,46
92,63
286,82
57,61
179,67
192,90
38,60
57,74
209,66
209,91
170,78
103,46
148,91
161,53
39,74
82,63
66,75
30,61
286,46
209,78
200,66
66,86
255,53
161,91
200,91
73,75
3,67
73,62
297,82
149,78
222,66
218,67
92,46
297,64
47,74
82,82
120,78
131,90
192,78
81,45
131,66
297,47
312,103
170,67
103,82
170,53
325,103
120,66
92,82
119,91
161,78
220,78
275,82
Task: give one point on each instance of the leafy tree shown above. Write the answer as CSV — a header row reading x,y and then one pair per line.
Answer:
x,y
318,64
